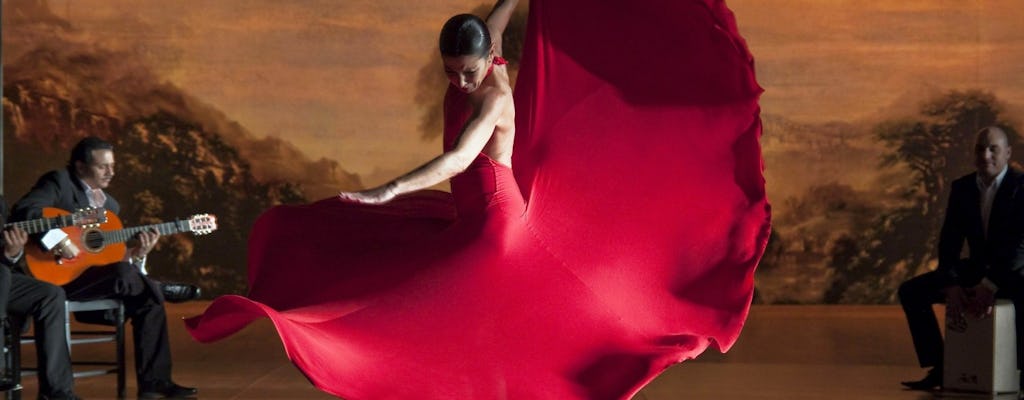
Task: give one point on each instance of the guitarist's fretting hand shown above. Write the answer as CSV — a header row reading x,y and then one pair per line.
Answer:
x,y
147,240
14,240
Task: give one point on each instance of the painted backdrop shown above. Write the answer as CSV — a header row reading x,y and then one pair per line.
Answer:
x,y
228,107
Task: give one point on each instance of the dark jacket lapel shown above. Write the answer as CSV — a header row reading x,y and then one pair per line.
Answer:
x,y
76,191
1002,205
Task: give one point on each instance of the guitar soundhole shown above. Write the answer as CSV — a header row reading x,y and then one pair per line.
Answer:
x,y
93,240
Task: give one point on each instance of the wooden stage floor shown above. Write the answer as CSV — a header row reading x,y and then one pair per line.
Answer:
x,y
784,353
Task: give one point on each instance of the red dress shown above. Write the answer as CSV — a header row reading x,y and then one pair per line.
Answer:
x,y
624,242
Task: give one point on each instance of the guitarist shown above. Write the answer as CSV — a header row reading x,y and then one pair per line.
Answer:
x,y
45,303
80,185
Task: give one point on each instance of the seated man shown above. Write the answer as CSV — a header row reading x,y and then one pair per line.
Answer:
x,y
45,303
986,208
81,185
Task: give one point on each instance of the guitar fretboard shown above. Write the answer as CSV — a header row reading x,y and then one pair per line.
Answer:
x,y
43,224
166,228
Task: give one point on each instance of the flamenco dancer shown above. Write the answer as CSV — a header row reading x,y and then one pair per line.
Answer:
x,y
624,242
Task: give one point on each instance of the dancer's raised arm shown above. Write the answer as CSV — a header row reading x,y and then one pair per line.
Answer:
x,y
498,20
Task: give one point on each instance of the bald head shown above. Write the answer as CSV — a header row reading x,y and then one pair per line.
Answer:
x,y
991,152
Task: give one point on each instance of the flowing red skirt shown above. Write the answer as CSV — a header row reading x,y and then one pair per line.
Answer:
x,y
624,242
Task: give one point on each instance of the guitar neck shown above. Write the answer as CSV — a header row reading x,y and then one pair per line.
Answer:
x,y
166,228
42,224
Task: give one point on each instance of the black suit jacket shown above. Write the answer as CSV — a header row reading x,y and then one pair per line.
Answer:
x,y
60,189
5,272
999,255
3,220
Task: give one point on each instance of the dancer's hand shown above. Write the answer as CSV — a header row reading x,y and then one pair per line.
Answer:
x,y
377,195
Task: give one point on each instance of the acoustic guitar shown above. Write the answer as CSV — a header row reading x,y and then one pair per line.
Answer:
x,y
54,218
102,244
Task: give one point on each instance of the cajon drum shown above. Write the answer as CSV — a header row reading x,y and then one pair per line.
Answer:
x,y
981,354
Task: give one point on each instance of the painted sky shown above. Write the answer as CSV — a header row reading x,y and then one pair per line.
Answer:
x,y
338,78
854,59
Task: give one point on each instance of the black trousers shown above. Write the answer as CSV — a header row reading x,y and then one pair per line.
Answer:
x,y
918,294
144,306
44,302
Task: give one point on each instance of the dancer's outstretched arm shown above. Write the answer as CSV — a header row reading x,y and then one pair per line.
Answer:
x,y
477,133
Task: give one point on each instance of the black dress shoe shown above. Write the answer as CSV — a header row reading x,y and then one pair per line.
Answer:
x,y
7,385
179,292
166,390
62,396
931,381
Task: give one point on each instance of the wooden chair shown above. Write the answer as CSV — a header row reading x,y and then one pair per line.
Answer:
x,y
114,335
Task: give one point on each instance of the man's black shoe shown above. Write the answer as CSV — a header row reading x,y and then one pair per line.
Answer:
x,y
930,381
166,390
61,396
179,292
8,385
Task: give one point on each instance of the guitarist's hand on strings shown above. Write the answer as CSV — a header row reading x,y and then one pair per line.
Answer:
x,y
14,240
66,249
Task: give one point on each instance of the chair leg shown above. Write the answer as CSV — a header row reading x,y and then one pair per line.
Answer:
x,y
12,358
120,352
117,336
67,326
